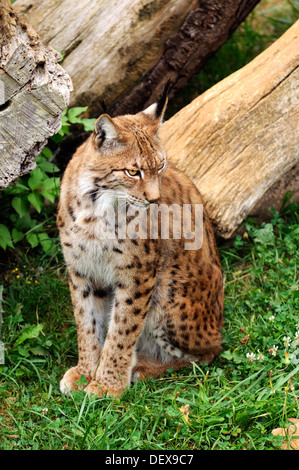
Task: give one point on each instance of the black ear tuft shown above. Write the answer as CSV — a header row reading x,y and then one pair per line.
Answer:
x,y
104,107
161,104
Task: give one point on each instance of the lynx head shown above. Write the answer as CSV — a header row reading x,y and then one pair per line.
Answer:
x,y
127,157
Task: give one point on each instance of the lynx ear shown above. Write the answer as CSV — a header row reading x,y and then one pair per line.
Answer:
x,y
156,111
105,129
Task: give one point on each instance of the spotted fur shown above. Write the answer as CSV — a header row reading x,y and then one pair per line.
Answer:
x,y
141,305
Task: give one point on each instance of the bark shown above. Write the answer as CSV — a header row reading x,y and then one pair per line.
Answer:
x,y
34,90
123,51
239,141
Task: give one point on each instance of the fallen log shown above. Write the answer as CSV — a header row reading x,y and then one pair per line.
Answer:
x,y
240,138
122,51
34,90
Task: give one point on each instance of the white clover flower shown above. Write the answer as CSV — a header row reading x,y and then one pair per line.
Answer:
x,y
297,336
250,357
286,341
273,350
260,356
271,319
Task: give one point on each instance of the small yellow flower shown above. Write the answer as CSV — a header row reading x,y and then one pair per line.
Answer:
x,y
35,282
17,276
287,360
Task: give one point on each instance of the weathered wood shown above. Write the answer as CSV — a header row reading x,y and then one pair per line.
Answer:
x,y
121,50
204,31
34,90
239,138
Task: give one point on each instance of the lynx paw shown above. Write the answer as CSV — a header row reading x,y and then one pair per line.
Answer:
x,y
68,382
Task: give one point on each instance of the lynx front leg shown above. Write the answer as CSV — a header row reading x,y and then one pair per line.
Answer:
x,y
118,354
89,305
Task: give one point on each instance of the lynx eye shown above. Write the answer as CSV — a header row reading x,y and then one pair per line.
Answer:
x,y
161,166
133,173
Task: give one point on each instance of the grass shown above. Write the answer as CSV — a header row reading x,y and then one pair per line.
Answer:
x,y
233,403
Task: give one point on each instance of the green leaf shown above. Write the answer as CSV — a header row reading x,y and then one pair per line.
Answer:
x,y
19,188
45,241
227,355
16,235
51,188
23,351
5,238
88,124
57,137
32,331
62,54
39,159
62,132
83,381
48,195
265,235
52,184
23,223
20,205
46,152
39,351
36,179
48,167
37,200
75,112
32,239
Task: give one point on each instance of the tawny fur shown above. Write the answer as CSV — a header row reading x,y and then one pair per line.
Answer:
x,y
141,305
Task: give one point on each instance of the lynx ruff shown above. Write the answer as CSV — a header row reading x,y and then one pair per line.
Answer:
x,y
146,289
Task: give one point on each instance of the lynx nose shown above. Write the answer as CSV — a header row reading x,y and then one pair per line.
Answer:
x,y
152,192
152,201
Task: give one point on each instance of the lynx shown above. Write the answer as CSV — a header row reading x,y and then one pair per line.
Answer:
x,y
142,304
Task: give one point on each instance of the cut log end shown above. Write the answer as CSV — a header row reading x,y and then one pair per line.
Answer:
x,y
34,90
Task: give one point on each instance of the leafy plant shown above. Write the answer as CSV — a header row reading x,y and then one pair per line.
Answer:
x,y
73,116
28,207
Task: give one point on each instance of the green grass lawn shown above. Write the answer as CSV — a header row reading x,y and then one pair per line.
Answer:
x,y
233,403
